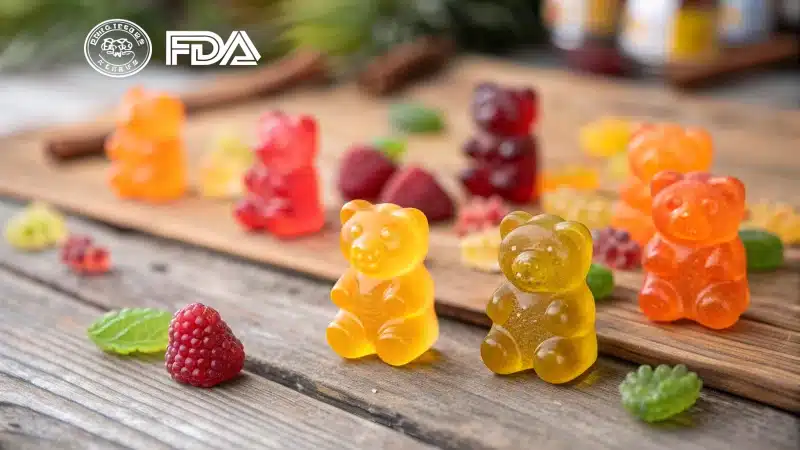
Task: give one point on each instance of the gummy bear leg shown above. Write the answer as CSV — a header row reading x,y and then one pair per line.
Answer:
x,y
347,337
295,226
559,360
500,353
403,340
719,306
659,300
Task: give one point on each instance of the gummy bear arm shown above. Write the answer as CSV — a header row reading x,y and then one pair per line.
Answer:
x,y
659,257
727,261
502,304
342,292
410,294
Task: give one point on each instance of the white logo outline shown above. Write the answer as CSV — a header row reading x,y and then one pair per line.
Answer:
x,y
125,50
191,43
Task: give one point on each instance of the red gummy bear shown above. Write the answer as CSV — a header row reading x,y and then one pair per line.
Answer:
x,y
615,249
505,166
283,195
504,111
82,256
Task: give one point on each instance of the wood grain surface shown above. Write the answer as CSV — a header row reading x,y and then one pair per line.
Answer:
x,y
447,398
759,358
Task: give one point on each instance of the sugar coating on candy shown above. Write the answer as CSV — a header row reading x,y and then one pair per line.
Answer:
x,y
779,218
35,228
146,149
479,214
576,177
695,265
588,208
223,167
481,249
656,395
543,313
764,250
606,137
386,296
615,248
84,257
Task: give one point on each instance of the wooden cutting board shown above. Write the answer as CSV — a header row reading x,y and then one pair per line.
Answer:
x,y
758,358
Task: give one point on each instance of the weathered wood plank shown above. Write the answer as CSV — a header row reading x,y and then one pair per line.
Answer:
x,y
447,397
51,370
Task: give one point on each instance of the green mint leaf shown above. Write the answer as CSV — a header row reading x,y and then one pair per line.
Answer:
x,y
415,118
143,330
392,148
601,281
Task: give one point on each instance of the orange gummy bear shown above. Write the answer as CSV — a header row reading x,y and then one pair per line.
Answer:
x,y
386,295
655,148
696,265
146,149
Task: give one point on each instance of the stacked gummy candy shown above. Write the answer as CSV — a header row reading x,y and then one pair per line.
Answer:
x,y
146,149
503,152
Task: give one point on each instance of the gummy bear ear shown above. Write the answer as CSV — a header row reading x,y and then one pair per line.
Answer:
x,y
512,221
352,207
575,232
414,216
732,187
662,180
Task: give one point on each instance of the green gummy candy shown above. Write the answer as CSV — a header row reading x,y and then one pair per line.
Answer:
x,y
764,250
392,148
415,118
656,395
601,281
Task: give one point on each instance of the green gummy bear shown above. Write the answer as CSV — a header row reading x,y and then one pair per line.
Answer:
x,y
764,250
656,395
600,280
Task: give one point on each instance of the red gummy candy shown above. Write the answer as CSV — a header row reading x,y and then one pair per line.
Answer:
x,y
82,256
480,214
615,249
283,195
504,111
505,166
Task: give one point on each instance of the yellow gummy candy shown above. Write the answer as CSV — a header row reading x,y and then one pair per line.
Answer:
x,y
606,137
479,250
576,177
590,209
224,166
36,227
618,168
779,218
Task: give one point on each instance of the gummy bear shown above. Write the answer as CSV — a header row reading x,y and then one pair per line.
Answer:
x,y
606,137
224,166
503,153
283,194
146,149
386,295
696,264
655,148
35,228
778,218
590,209
480,249
576,177
479,214
543,313
616,249
81,255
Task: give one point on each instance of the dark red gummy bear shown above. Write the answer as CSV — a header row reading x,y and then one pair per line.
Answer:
x,y
503,166
202,349
283,193
504,111
615,249
82,256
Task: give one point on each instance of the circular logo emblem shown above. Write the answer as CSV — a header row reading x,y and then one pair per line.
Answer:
x,y
117,48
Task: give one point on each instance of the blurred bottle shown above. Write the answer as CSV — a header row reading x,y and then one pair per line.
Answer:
x,y
747,21
694,32
645,30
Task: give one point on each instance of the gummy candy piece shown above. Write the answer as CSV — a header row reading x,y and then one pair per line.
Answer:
x,y
575,177
386,295
606,137
35,228
504,111
590,209
479,214
503,166
617,167
696,265
283,195
480,249
415,118
656,395
778,218
764,250
601,281
224,166
83,257
543,313
616,249
146,149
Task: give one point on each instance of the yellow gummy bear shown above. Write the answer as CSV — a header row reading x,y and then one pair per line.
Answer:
x,y
590,209
575,177
543,313
606,137
224,166
36,227
618,169
479,250
386,295
779,218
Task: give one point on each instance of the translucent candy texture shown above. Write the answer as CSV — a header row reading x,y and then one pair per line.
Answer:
x,y
695,265
779,218
590,209
224,166
606,137
502,166
83,257
35,228
543,313
480,250
581,178
656,395
386,295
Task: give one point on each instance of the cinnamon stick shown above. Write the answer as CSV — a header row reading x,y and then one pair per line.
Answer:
x,y
88,139
406,63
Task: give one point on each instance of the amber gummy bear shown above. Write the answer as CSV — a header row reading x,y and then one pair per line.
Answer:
x,y
655,148
543,313
386,295
146,149
695,265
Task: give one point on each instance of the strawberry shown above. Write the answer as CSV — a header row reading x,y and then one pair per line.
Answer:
x,y
363,172
414,187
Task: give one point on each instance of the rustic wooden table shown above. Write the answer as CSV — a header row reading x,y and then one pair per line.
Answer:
x,y
58,391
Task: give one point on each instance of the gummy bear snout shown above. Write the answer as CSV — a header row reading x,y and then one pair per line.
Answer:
x,y
367,254
690,224
529,270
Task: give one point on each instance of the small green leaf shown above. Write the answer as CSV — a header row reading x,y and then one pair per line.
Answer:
x,y
415,118
601,281
393,148
143,330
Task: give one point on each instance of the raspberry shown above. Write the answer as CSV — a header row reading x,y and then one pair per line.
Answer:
x,y
616,249
82,256
202,349
502,111
363,171
414,187
480,214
